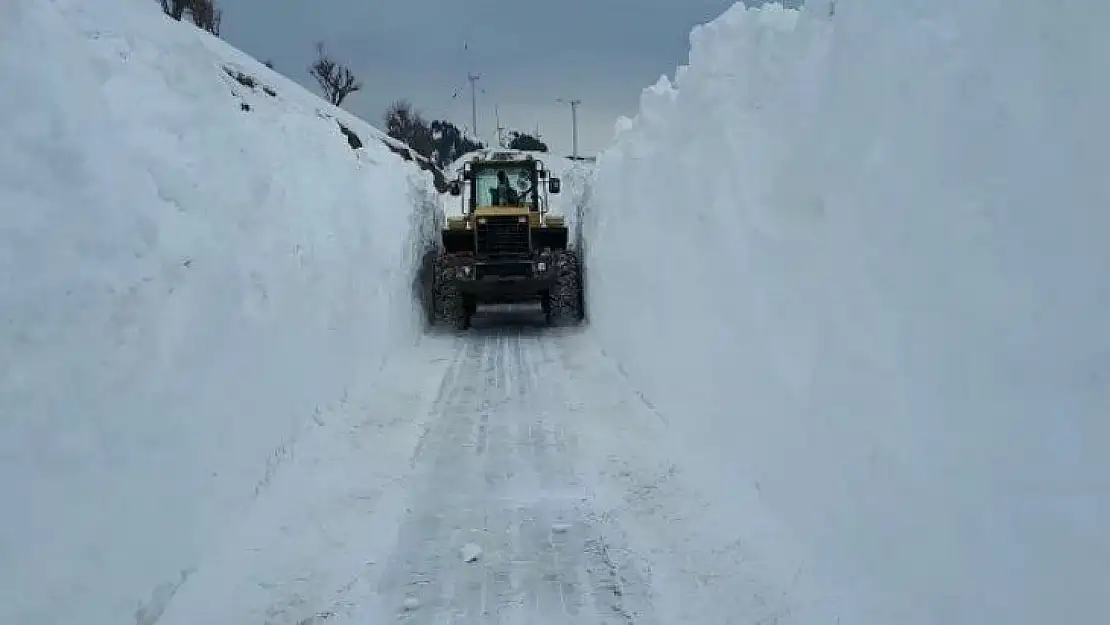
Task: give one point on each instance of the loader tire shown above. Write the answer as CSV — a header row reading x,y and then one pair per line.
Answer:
x,y
564,301
448,306
424,286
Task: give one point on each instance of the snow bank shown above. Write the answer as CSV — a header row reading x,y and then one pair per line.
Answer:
x,y
880,303
196,266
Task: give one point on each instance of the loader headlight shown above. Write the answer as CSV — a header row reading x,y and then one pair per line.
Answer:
x,y
465,271
541,266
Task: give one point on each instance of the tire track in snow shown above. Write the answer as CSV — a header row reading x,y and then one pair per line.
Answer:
x,y
450,378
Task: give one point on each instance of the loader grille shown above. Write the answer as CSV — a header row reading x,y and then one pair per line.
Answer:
x,y
502,236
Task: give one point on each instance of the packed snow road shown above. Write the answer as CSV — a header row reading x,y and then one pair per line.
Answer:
x,y
545,490
509,474
503,527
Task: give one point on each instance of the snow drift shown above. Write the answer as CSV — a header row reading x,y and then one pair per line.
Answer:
x,y
196,267
880,303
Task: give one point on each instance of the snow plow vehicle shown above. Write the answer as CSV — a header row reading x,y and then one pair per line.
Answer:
x,y
505,247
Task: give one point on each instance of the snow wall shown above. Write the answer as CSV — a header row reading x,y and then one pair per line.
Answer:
x,y
857,257
197,274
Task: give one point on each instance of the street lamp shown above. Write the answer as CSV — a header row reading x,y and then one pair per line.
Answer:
x,y
574,122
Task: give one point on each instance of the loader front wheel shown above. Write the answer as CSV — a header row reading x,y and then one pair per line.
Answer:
x,y
563,303
449,308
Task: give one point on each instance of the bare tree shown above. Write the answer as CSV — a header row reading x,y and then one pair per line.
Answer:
x,y
336,80
404,123
206,15
203,13
175,8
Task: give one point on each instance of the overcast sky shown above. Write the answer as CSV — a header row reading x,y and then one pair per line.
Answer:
x,y
528,53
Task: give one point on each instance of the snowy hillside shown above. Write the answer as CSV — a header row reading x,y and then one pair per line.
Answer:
x,y
881,313
198,274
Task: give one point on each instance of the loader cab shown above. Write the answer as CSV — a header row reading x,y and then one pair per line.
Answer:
x,y
505,182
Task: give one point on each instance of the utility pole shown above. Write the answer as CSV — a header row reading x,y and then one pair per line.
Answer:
x,y
574,122
500,128
473,78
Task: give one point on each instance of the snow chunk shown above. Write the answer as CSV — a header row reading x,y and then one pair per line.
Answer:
x,y
470,552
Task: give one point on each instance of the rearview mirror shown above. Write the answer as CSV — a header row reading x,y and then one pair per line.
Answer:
x,y
554,185
454,188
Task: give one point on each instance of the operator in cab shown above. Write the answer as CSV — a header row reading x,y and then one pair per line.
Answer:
x,y
504,194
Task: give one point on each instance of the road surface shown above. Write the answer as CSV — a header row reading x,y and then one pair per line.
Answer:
x,y
500,469
509,475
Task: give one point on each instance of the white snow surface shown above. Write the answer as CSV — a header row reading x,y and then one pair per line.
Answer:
x,y
191,293
843,363
857,260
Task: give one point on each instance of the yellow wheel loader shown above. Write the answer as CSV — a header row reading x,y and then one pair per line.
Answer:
x,y
505,247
